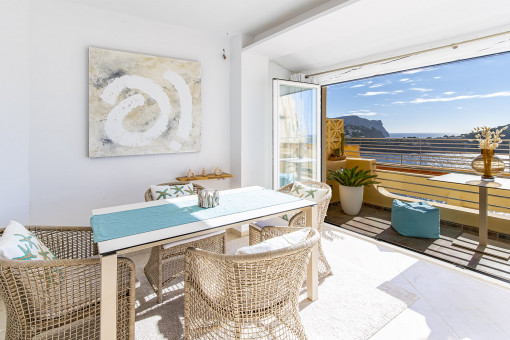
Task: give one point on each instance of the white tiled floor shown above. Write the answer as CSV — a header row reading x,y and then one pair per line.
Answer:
x,y
454,303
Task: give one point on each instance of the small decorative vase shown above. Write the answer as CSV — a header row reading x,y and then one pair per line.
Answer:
x,y
487,165
208,198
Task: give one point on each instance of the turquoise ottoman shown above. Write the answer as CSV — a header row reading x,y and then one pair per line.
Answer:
x,y
417,219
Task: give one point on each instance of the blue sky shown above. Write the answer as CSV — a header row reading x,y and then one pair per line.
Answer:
x,y
449,98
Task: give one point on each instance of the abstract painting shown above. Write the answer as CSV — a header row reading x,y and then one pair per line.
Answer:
x,y
141,104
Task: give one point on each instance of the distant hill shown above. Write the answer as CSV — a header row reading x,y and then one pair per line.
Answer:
x,y
355,126
472,135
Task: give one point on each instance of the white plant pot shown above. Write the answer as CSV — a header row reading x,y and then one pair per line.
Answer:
x,y
351,199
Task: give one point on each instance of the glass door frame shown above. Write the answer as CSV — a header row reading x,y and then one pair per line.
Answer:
x,y
276,131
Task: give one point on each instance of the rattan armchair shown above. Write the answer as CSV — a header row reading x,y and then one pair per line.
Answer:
x,y
299,220
59,299
246,296
166,262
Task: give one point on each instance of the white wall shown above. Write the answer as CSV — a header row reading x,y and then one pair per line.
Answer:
x,y
236,155
14,111
256,121
64,183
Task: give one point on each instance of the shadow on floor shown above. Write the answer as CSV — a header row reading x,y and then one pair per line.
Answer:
x,y
376,223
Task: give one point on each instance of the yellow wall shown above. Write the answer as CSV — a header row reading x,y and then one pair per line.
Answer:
x,y
454,211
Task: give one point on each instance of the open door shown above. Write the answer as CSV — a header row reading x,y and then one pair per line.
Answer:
x,y
296,132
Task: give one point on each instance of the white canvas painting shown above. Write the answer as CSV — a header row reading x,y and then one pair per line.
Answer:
x,y
141,104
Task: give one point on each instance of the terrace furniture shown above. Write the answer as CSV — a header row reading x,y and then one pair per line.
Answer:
x,y
60,298
252,296
166,261
124,229
418,219
298,220
482,245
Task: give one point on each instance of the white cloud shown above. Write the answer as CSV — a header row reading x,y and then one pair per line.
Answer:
x,y
420,89
449,99
459,107
372,93
362,113
438,77
405,80
359,85
398,91
400,102
376,85
449,93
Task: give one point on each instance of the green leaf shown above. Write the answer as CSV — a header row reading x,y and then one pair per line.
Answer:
x,y
352,177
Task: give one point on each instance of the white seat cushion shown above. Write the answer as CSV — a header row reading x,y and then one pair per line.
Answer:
x,y
274,221
276,243
192,239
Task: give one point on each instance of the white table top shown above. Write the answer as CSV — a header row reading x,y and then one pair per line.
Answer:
x,y
189,228
473,180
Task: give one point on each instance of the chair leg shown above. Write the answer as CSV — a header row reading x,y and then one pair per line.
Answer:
x,y
324,267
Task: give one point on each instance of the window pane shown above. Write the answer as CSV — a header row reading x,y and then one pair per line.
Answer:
x,y
298,134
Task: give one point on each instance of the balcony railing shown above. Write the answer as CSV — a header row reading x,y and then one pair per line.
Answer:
x,y
428,155
404,164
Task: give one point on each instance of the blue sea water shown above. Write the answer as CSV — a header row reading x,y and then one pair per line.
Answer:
x,y
417,134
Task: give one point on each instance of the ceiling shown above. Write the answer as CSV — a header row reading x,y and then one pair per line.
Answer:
x,y
365,29
220,16
314,35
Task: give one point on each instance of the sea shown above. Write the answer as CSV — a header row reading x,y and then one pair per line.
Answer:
x,y
418,134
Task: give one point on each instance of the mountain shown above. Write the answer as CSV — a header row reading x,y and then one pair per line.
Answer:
x,y
472,135
355,126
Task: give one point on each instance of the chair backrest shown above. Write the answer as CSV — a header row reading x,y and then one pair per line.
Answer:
x,y
40,295
262,280
65,242
322,205
196,189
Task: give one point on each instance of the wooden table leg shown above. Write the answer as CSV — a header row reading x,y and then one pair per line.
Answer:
x,y
483,230
312,277
108,297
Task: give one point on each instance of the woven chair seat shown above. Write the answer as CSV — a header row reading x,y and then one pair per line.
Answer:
x,y
274,221
166,262
298,220
246,296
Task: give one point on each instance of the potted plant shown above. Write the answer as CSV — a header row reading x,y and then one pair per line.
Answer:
x,y
352,182
338,153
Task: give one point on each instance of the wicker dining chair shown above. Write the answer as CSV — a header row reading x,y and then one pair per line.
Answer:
x,y
166,262
59,299
299,220
246,296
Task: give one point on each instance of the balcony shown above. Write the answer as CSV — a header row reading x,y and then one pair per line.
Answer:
x,y
404,166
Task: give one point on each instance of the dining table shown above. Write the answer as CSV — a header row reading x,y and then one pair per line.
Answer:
x,y
128,228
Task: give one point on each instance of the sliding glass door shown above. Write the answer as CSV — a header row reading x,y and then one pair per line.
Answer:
x,y
296,132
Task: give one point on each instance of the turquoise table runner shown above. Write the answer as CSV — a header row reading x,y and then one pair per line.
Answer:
x,y
136,221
